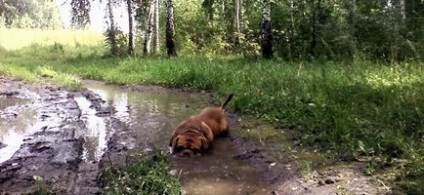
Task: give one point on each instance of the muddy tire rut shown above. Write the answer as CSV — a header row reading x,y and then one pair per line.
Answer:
x,y
53,148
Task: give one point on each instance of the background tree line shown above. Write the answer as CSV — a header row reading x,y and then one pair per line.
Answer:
x,y
41,14
381,30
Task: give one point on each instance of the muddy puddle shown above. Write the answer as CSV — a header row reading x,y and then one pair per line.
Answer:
x,y
75,130
67,137
151,117
17,119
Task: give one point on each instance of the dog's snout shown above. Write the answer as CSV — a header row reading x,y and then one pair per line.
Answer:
x,y
186,153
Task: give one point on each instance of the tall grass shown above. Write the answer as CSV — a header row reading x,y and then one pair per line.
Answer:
x,y
355,111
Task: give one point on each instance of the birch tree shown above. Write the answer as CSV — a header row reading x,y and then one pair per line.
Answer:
x,y
170,29
149,29
111,33
156,47
236,23
130,27
266,29
237,16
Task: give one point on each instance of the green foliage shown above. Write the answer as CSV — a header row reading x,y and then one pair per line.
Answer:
x,y
147,175
319,29
40,14
18,72
117,42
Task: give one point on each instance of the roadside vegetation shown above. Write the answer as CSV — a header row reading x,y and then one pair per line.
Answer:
x,y
359,111
146,174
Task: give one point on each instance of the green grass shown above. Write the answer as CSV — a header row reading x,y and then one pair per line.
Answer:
x,y
41,187
41,74
353,111
14,39
148,174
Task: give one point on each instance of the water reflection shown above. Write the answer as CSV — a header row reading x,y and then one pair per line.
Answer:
x,y
17,120
95,132
151,118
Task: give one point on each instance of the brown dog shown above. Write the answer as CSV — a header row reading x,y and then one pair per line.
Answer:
x,y
194,136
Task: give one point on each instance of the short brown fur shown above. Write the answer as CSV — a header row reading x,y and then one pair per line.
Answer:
x,y
194,136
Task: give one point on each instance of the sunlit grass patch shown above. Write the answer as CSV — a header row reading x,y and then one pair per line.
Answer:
x,y
41,74
14,39
63,79
17,72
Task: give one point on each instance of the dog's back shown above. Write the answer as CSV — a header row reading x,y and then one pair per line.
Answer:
x,y
215,119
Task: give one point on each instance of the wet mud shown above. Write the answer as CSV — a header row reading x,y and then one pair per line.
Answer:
x,y
68,137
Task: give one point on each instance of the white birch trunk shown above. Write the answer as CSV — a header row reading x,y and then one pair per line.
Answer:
x,y
148,31
156,28
266,30
236,23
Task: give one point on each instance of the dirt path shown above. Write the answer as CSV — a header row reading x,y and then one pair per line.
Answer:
x,y
53,146
74,134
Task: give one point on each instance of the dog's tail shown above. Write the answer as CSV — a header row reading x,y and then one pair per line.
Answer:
x,y
226,101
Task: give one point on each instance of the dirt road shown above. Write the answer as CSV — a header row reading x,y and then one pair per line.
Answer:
x,y
67,137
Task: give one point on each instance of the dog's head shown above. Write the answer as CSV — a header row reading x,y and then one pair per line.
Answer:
x,y
190,145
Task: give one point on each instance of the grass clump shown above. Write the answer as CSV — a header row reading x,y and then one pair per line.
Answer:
x,y
63,79
41,74
17,72
146,175
41,187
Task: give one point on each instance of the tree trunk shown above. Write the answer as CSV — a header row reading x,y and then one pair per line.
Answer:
x,y
112,29
236,24
291,32
148,31
130,28
208,6
241,14
266,30
315,17
223,18
156,28
170,30
400,6
402,10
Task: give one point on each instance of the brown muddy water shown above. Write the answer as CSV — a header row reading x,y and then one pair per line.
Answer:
x,y
152,116
144,117
68,137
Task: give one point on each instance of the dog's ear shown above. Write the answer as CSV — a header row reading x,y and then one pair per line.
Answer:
x,y
173,144
206,131
170,141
